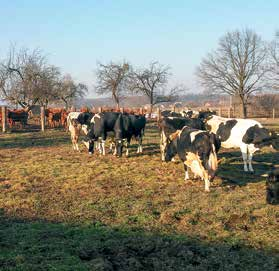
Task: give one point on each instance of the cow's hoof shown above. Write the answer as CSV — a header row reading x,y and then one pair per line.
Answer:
x,y
206,190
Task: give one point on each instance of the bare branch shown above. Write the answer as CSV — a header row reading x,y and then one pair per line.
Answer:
x,y
236,67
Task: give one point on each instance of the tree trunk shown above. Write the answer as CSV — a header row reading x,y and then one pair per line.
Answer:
x,y
151,104
66,104
244,109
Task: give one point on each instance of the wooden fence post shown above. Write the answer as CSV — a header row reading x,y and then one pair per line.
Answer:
x,y
273,113
219,111
173,109
158,114
229,112
4,119
100,109
141,111
43,119
121,110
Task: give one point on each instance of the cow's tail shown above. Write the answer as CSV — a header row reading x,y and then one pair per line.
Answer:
x,y
214,142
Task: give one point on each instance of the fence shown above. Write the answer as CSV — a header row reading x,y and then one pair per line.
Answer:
x,y
252,112
40,122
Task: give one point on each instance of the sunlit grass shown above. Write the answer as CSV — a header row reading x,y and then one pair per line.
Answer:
x,y
43,179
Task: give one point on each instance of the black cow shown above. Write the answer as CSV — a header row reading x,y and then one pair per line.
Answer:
x,y
169,113
129,125
20,116
170,125
100,125
197,150
123,126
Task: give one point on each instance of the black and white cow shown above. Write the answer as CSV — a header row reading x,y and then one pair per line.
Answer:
x,y
246,134
170,125
197,150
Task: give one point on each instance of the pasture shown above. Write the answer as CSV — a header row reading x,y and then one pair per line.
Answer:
x,y
62,210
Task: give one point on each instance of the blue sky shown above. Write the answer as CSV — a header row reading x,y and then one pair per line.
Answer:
x,y
77,34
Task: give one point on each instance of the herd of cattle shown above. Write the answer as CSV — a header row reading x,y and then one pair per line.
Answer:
x,y
195,137
55,117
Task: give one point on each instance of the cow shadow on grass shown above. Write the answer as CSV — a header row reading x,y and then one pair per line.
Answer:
x,y
231,167
148,149
37,245
24,140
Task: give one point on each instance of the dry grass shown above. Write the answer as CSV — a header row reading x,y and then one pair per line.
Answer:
x,y
63,205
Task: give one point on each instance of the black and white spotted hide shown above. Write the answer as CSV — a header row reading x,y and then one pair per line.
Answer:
x,y
246,134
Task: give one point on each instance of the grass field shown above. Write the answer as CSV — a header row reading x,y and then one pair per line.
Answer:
x,y
61,210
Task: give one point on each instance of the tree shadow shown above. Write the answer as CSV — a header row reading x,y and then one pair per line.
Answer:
x,y
27,140
41,245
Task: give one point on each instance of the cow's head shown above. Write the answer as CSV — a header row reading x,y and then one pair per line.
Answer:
x,y
85,129
206,115
261,137
170,146
272,187
275,140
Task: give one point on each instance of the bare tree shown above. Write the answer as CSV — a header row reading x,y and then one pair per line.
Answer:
x,y
267,101
26,78
236,67
273,75
67,90
112,79
151,82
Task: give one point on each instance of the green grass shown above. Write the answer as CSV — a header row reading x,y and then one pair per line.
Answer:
x,y
61,210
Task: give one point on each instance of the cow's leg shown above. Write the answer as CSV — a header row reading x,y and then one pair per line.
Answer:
x,y
73,142
103,150
162,145
250,157
139,150
206,184
111,147
186,173
115,149
251,150
76,143
244,151
139,145
127,144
